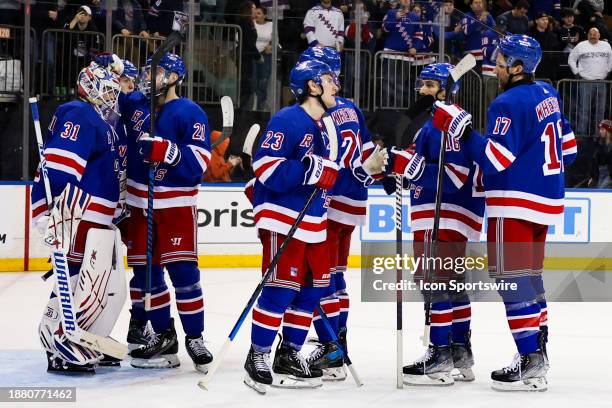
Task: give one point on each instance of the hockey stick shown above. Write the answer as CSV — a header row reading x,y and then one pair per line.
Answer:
x,y
333,154
247,147
398,278
63,288
174,39
334,337
227,110
466,64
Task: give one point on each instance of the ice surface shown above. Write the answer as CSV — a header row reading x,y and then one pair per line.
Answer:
x,y
579,350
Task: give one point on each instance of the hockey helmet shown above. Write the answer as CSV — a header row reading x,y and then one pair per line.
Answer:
x,y
327,55
440,72
99,87
520,49
305,71
168,63
129,70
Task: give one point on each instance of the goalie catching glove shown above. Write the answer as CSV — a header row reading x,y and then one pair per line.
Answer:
x,y
452,119
159,150
319,171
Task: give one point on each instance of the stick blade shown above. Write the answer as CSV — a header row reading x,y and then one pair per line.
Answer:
x,y
468,62
333,137
249,140
227,110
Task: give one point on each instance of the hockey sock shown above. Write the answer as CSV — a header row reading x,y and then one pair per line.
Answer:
x,y
342,295
331,307
159,315
136,296
538,284
523,314
441,322
298,317
185,278
268,315
462,316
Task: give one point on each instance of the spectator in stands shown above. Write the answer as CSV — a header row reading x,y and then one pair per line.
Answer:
x,y
213,10
263,67
552,8
324,26
591,60
590,14
249,53
453,35
128,19
160,16
44,16
474,24
82,20
11,12
402,29
219,169
569,34
490,40
368,43
515,21
601,170
543,33
424,31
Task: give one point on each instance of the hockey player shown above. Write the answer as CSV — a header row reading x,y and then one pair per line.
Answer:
x,y
290,163
180,155
527,144
347,209
81,158
461,217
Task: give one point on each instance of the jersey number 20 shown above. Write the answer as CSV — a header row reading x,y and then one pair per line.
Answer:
x,y
551,137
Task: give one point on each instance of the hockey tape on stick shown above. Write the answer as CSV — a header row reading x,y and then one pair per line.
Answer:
x,y
227,111
464,66
249,140
333,154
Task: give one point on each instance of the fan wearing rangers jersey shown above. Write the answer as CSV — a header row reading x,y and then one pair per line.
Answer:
x,y
82,164
473,25
523,154
180,155
324,26
461,217
347,209
290,163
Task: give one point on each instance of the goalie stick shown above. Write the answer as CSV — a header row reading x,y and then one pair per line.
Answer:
x,y
333,154
68,315
175,38
465,65
227,112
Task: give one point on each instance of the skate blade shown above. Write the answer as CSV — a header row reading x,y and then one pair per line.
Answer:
x,y
203,368
254,385
163,361
536,384
463,374
134,346
313,341
441,379
334,374
289,381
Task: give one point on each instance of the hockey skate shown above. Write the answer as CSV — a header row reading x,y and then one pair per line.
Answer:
x,y
138,333
160,352
292,371
109,361
328,357
527,372
434,368
463,360
198,352
258,372
57,365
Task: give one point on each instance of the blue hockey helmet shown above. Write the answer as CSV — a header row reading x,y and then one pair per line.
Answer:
x,y
327,55
439,71
305,71
169,63
129,70
520,49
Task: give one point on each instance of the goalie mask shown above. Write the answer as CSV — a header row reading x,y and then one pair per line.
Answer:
x,y
100,88
168,64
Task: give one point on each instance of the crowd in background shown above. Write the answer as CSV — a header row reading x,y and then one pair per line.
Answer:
x,y
574,36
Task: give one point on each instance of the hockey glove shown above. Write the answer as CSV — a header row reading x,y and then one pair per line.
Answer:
x,y
376,163
406,162
420,105
319,171
452,119
159,150
111,62
364,178
389,184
